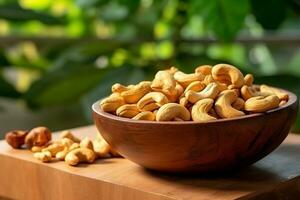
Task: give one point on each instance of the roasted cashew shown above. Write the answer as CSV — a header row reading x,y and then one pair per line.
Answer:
x,y
209,79
201,109
43,156
186,79
38,136
239,104
262,103
101,147
135,93
127,110
156,98
203,69
86,143
248,79
54,148
211,91
68,134
112,103
251,91
16,138
228,74
223,105
145,115
79,155
281,94
67,143
164,82
195,86
170,111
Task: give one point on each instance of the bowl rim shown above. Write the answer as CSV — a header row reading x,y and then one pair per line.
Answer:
x,y
96,109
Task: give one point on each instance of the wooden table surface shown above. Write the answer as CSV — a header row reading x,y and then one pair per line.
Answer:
x,y
24,177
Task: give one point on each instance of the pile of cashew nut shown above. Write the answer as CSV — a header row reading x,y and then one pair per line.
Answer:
x,y
210,93
67,148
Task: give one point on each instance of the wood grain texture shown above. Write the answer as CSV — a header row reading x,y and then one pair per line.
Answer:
x,y
193,147
23,177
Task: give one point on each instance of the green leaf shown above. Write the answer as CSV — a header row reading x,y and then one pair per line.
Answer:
x,y
63,86
270,14
223,17
15,12
7,90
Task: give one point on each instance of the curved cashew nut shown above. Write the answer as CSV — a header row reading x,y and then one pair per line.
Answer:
x,y
239,104
145,115
68,134
195,86
203,69
262,103
101,147
201,109
251,91
67,143
223,105
127,110
170,111
135,93
186,79
228,74
164,82
281,95
112,103
80,155
178,92
156,98
248,79
211,91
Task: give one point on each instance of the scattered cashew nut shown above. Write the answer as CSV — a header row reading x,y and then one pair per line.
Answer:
x,y
228,74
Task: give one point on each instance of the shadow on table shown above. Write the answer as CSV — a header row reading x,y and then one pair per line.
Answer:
x,y
279,166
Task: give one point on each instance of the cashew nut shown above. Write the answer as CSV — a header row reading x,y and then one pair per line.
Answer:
x,y
16,138
281,94
145,115
223,105
43,156
201,109
164,82
119,88
68,134
248,79
262,103
186,79
170,111
135,93
228,74
251,91
203,69
112,103
239,104
156,98
67,143
38,136
101,147
79,155
54,148
86,143
211,91
195,86
127,110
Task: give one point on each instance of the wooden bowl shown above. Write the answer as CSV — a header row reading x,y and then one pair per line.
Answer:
x,y
215,146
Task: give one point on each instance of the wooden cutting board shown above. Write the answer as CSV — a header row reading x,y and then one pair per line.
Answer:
x,y
24,177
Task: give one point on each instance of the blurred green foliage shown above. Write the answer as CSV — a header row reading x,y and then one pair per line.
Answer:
x,y
60,52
